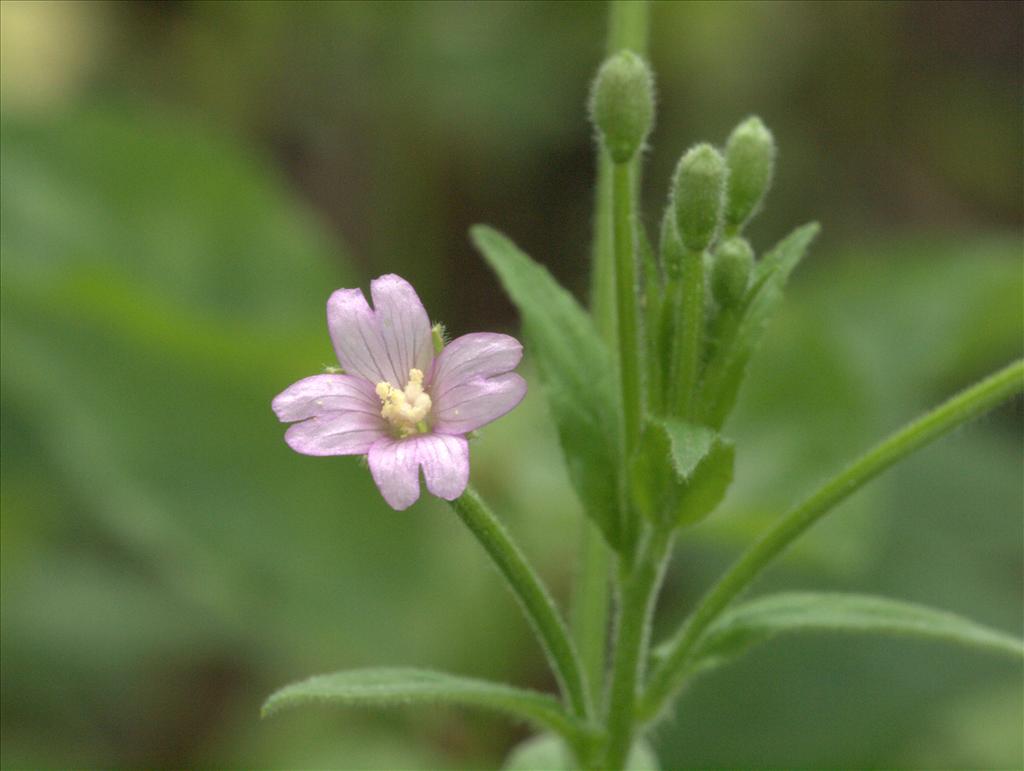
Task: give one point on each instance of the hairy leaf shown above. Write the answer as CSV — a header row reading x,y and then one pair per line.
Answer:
x,y
381,687
758,620
577,372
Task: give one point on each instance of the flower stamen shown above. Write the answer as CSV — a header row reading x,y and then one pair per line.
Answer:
x,y
405,409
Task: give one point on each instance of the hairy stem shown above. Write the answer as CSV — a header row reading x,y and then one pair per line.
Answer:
x,y
637,593
688,296
627,28
626,300
590,604
979,398
533,597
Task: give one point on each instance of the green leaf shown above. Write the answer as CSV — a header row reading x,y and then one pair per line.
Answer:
x,y
680,472
547,752
577,372
383,687
753,622
738,335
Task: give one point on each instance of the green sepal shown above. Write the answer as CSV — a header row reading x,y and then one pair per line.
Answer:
x,y
680,472
578,376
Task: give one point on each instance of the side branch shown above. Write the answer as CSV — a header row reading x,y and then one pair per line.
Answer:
x,y
668,676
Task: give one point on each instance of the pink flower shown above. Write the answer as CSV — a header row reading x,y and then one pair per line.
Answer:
x,y
398,404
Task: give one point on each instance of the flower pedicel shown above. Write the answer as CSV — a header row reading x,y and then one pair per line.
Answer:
x,y
398,403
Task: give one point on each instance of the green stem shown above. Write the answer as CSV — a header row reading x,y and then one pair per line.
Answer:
x,y
627,28
688,296
627,25
533,597
626,299
979,398
637,593
590,604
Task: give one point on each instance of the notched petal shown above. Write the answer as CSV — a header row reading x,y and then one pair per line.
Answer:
x,y
404,325
477,402
473,383
395,471
481,354
323,394
445,464
395,465
358,343
337,433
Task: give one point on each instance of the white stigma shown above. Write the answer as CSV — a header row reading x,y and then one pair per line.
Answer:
x,y
405,409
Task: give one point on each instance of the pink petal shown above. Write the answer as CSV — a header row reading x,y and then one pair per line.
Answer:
x,y
445,462
478,402
404,325
472,382
322,394
395,465
336,433
355,332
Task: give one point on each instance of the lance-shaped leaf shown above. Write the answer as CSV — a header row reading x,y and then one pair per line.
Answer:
x,y
577,372
738,334
382,687
749,623
680,471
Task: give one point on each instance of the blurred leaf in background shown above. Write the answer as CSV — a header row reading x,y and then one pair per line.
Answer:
x,y
179,182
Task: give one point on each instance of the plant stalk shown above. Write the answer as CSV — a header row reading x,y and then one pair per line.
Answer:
x,y
627,29
533,597
638,591
628,309
590,604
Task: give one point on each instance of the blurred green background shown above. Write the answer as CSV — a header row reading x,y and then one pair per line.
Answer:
x,y
184,184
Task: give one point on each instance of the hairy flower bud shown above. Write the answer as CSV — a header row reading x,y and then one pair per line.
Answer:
x,y
750,153
731,272
622,104
697,190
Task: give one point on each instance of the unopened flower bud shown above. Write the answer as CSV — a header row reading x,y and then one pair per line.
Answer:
x,y
731,272
750,153
622,104
697,190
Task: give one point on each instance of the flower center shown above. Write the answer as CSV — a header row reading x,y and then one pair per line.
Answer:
x,y
406,409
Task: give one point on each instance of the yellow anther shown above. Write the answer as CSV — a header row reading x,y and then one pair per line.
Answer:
x,y
406,409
